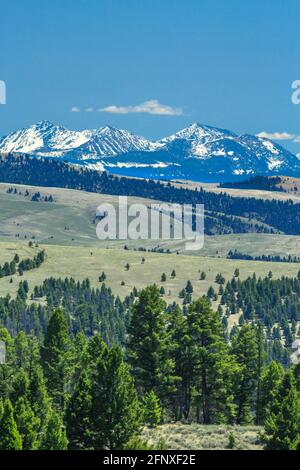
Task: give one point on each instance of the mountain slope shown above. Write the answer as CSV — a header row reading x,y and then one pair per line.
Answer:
x,y
49,140
198,152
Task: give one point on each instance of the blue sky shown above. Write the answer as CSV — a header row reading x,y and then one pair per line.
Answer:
x,y
228,63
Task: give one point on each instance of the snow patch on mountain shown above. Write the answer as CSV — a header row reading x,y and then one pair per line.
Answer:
x,y
48,140
197,152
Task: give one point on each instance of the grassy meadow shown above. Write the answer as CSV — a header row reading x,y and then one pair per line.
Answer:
x,y
65,228
70,221
83,261
194,436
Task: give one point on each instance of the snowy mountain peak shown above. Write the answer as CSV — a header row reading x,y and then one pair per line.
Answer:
x,y
199,132
198,152
47,139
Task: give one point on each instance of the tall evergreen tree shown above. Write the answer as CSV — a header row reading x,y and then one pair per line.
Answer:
x,y
271,381
179,348
78,414
116,413
147,344
54,437
212,367
55,357
261,359
152,409
27,423
282,426
38,396
10,438
245,350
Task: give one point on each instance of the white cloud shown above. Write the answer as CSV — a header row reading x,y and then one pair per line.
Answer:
x,y
276,135
148,107
297,138
75,109
89,110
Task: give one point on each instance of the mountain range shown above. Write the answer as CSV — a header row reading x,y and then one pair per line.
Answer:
x,y
198,152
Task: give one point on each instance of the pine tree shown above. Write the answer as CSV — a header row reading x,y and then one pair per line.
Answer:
x,y
78,414
55,436
211,365
189,288
296,373
148,345
181,399
282,426
38,396
116,413
181,294
244,348
162,291
271,381
27,423
220,279
261,358
10,438
55,357
102,277
152,409
236,272
211,292
20,386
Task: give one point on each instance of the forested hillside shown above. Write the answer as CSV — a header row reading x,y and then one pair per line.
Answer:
x,y
228,212
85,370
265,183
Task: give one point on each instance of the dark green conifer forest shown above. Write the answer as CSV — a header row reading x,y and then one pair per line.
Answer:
x,y
85,370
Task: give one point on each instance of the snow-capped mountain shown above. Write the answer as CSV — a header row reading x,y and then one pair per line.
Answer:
x,y
49,140
198,152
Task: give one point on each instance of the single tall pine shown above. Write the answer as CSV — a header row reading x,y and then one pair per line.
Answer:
x,y
10,438
54,357
115,413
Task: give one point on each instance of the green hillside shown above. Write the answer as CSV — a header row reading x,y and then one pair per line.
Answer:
x,y
70,220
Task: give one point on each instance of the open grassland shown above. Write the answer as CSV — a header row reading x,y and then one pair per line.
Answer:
x,y
199,437
81,262
254,244
70,220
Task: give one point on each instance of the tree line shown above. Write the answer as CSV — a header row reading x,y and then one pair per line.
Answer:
x,y
269,258
10,268
258,182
